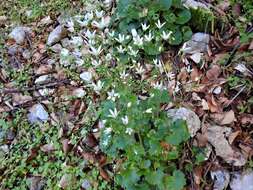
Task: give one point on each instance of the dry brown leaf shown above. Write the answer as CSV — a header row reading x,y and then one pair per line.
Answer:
x,y
246,119
65,145
217,137
224,118
47,148
198,173
214,72
233,136
104,174
18,98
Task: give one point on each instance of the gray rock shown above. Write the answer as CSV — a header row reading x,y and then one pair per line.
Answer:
x,y
86,184
242,181
37,114
192,120
19,33
56,48
26,54
198,43
221,179
56,35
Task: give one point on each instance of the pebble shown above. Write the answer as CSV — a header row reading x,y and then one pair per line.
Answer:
x,y
19,34
38,114
56,35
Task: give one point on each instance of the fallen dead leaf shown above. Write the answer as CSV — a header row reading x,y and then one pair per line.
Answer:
x,y
246,119
47,148
213,73
224,118
233,136
217,136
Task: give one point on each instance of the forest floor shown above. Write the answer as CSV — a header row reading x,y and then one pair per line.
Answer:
x,y
126,94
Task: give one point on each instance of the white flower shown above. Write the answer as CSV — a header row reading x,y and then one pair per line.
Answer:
x,y
177,88
102,24
159,65
99,14
165,35
108,57
125,120
134,33
108,130
111,34
86,76
148,110
91,42
129,131
112,95
89,34
98,86
77,41
89,16
170,75
160,48
113,113
145,26
121,38
95,51
79,62
64,52
133,52
159,85
70,25
96,63
123,74
129,104
159,25
138,40
148,37
83,23
121,49
140,69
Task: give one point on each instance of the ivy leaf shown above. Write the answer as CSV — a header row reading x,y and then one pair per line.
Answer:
x,y
183,16
177,181
179,133
151,49
176,38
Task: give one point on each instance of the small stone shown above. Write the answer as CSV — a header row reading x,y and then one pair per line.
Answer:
x,y
221,179
41,79
19,34
37,114
198,44
217,90
56,48
192,120
26,54
86,184
79,92
56,35
86,76
66,43
242,181
46,21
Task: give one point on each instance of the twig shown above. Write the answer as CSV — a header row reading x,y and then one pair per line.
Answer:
x,y
238,93
36,87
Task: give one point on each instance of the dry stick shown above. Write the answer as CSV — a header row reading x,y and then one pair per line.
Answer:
x,y
42,86
238,93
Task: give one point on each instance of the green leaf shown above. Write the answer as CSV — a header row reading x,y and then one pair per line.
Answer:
x,y
165,4
177,181
169,17
176,38
183,16
155,177
129,178
172,155
179,133
187,33
151,48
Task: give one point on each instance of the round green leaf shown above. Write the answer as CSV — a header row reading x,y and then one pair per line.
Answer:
x,y
183,16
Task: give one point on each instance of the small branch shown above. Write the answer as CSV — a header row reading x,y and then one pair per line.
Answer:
x,y
36,87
